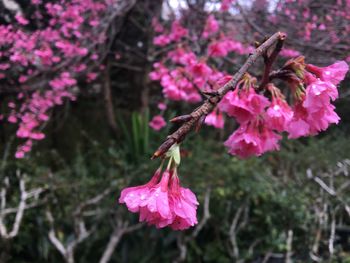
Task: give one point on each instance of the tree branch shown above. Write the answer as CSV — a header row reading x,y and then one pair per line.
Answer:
x,y
22,206
182,240
270,59
121,229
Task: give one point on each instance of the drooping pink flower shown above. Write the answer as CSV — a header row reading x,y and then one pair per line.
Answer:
x,y
318,94
132,196
252,139
278,115
162,203
269,139
157,122
321,119
244,104
244,142
215,119
157,207
333,73
317,105
298,126
183,204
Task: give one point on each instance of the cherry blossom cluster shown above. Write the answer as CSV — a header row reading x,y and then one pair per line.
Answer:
x,y
312,22
262,119
192,62
43,55
162,201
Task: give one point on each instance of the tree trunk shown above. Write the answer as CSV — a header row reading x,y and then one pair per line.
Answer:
x,y
108,99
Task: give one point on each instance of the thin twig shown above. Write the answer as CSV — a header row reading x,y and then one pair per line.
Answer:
x,y
182,240
289,246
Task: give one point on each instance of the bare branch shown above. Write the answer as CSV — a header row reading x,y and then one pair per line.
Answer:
x,y
81,231
22,206
332,236
120,230
233,233
206,214
182,240
289,246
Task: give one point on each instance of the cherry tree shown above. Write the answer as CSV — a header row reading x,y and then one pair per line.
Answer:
x,y
296,99
47,53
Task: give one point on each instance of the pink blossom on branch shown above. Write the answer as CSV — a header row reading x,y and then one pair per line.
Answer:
x,y
157,123
162,203
188,69
278,115
252,138
57,50
243,104
211,26
333,73
215,119
225,4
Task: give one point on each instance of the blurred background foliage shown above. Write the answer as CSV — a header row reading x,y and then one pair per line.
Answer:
x,y
287,206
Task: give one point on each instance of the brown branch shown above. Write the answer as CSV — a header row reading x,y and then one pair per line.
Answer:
x,y
183,241
108,99
24,196
270,59
120,230
280,74
211,103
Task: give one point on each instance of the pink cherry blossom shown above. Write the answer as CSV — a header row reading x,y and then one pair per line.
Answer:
x,y
298,126
21,20
278,115
162,106
19,154
321,119
157,26
225,4
244,142
161,40
163,203
218,49
269,139
211,26
177,31
157,122
200,69
318,94
333,73
133,196
215,119
244,105
184,205
252,139
157,208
